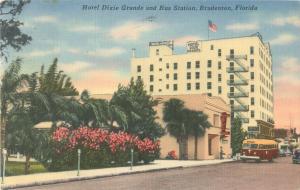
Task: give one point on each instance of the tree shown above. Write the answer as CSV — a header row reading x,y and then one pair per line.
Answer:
x,y
10,33
22,137
138,107
12,82
10,37
57,86
173,115
237,136
197,122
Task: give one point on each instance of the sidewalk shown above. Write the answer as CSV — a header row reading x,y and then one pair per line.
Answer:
x,y
67,176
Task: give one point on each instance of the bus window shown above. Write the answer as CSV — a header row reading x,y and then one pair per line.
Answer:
x,y
250,146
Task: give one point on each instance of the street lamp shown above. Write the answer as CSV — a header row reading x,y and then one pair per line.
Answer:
x,y
4,152
131,163
78,166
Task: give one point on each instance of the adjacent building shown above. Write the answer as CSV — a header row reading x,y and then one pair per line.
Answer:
x,y
215,140
239,70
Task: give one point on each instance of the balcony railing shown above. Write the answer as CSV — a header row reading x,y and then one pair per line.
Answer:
x,y
237,82
243,108
237,95
232,57
237,69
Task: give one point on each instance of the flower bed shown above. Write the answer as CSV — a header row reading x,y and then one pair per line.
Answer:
x,y
99,147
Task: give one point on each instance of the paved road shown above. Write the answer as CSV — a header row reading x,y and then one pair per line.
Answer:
x,y
281,174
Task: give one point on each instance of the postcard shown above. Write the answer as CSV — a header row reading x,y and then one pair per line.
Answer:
x,y
136,94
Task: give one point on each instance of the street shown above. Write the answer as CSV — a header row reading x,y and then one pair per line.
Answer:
x,y
281,174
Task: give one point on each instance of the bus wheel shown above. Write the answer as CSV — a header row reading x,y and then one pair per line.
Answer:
x,y
271,160
257,161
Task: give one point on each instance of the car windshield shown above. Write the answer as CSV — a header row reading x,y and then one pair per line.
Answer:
x,y
249,146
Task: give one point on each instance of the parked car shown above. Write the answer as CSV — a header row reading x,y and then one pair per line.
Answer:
x,y
288,152
282,153
296,156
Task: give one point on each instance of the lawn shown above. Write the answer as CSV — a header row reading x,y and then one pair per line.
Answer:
x,y
17,168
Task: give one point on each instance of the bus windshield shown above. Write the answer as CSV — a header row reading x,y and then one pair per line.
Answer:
x,y
249,146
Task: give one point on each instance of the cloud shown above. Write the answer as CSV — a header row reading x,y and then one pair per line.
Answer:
x,y
184,39
45,19
287,101
292,20
84,28
242,27
131,30
284,39
73,50
42,53
106,52
101,81
290,65
74,67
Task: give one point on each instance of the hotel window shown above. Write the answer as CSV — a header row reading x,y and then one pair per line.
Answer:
x,y
252,114
216,120
175,76
175,87
167,76
188,75
151,78
151,88
160,59
231,64
211,47
160,69
139,78
197,64
252,101
208,74
219,77
231,102
197,75
251,62
251,50
252,75
197,87
208,63
157,51
209,94
220,89
188,86
167,65
209,85
231,52
188,65
167,86
151,67
219,52
219,65
175,66
231,77
139,68
252,88
231,89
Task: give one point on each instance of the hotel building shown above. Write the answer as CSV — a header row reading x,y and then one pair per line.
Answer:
x,y
239,70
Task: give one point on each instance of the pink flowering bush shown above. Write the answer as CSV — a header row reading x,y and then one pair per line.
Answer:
x,y
99,148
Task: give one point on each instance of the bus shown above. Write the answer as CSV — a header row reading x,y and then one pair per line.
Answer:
x,y
259,149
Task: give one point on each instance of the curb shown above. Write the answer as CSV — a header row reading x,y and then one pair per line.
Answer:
x,y
72,179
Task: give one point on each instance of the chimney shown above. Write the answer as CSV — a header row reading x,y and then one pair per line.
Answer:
x,y
133,52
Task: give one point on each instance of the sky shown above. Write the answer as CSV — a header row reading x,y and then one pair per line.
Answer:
x,y
94,46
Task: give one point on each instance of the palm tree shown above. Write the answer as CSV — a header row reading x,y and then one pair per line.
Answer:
x,y
173,115
11,83
197,123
